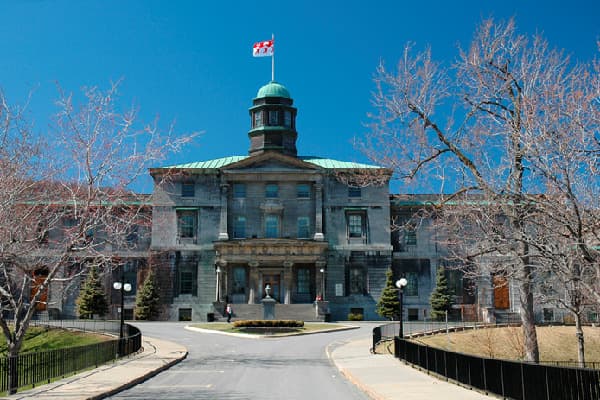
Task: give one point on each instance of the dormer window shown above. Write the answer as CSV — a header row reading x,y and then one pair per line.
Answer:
x,y
273,118
287,119
258,121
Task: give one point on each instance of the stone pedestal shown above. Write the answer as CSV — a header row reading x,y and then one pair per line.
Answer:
x,y
268,307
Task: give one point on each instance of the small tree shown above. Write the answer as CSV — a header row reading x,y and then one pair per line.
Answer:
x,y
147,301
92,298
441,298
389,304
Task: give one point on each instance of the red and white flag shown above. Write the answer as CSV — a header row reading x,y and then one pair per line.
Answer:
x,y
263,49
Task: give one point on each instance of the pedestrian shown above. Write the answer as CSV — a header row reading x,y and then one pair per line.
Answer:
x,y
229,312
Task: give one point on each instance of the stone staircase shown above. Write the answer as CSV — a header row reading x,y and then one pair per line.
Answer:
x,y
301,312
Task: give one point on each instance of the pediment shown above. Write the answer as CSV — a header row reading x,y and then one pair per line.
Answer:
x,y
270,162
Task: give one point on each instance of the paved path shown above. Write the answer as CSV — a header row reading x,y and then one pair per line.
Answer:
x,y
385,377
108,379
382,377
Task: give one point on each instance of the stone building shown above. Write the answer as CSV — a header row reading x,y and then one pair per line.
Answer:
x,y
305,227
224,230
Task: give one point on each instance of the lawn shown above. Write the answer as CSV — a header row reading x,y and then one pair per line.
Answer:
x,y
309,327
43,339
557,343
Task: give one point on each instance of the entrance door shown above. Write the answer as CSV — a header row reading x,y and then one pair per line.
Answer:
x,y
273,281
501,294
39,277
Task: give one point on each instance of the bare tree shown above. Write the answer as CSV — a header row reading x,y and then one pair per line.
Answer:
x,y
66,198
500,97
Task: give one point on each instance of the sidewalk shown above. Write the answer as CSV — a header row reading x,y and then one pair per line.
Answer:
x,y
383,377
109,379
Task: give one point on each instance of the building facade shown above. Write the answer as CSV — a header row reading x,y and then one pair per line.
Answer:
x,y
224,230
317,235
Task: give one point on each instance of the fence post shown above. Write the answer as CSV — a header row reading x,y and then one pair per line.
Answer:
x,y
484,376
13,378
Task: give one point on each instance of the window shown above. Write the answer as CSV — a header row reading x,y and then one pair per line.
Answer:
x,y
186,282
271,226
287,119
302,191
239,280
412,287
273,118
186,221
354,191
239,190
239,228
258,121
130,276
271,191
132,236
356,280
410,236
413,314
187,189
303,232
303,280
356,225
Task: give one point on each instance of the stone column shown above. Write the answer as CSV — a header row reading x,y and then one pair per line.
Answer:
x,y
253,282
288,281
223,221
319,212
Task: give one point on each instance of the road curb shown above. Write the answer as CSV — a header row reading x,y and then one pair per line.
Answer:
x,y
251,336
351,378
140,379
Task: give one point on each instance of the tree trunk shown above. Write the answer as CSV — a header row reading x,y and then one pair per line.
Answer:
x,y
580,340
531,350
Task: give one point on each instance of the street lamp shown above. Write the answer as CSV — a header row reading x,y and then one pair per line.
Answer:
x,y
122,287
400,284
322,271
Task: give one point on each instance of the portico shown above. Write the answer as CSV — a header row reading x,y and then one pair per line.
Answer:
x,y
290,267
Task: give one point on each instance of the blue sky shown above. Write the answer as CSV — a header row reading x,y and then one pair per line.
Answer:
x,y
190,61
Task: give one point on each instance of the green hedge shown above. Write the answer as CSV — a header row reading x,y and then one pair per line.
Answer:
x,y
268,323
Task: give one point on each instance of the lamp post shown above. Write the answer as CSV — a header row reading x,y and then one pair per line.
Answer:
x,y
122,287
400,284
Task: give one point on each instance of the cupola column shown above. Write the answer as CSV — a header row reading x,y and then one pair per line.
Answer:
x,y
319,212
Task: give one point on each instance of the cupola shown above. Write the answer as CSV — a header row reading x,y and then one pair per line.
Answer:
x,y
273,121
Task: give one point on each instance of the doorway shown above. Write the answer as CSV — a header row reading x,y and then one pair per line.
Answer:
x,y
501,292
273,280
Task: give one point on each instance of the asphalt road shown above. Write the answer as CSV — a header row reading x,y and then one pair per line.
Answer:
x,y
233,368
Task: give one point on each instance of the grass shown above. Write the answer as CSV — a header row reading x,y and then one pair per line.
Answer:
x,y
557,343
44,339
308,327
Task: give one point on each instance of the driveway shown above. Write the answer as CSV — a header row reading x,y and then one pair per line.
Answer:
x,y
226,367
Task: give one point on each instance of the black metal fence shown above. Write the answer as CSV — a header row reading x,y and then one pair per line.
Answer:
x,y
510,379
30,369
391,330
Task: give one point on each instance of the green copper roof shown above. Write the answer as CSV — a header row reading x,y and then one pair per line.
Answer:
x,y
273,89
334,164
326,163
216,163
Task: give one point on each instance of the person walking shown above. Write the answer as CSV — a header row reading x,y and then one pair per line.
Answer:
x,y
229,312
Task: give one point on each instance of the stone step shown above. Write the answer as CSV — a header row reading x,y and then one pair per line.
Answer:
x,y
301,312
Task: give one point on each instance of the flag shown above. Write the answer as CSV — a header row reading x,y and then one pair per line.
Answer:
x,y
263,49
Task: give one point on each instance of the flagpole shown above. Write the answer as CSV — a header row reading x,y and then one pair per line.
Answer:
x,y
273,58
